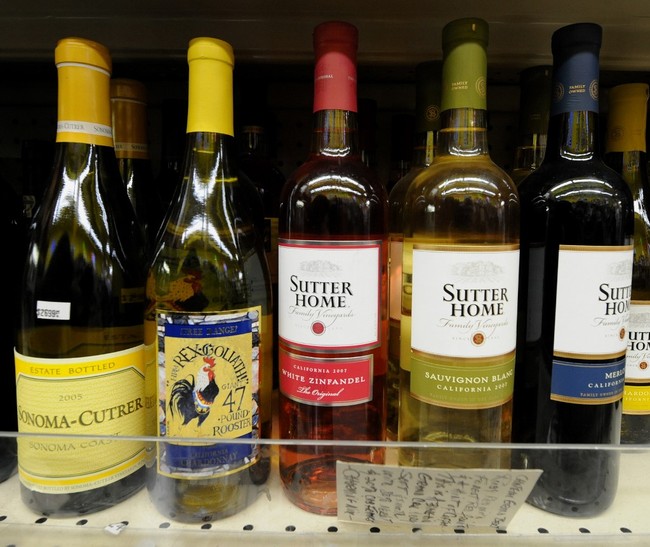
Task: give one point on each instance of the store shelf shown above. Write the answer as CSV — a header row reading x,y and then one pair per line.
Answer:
x,y
273,520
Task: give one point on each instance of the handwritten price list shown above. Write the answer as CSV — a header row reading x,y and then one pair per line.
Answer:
x,y
442,498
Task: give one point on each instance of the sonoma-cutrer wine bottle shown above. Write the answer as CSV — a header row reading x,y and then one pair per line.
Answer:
x,y
534,107
460,266
79,357
625,152
427,123
129,116
332,284
208,315
576,274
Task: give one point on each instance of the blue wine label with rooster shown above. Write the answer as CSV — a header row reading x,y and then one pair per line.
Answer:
x,y
208,374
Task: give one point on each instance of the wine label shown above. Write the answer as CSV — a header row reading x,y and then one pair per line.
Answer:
x,y
592,308
636,398
464,301
136,150
592,312
208,387
575,83
395,278
463,325
331,382
329,295
95,397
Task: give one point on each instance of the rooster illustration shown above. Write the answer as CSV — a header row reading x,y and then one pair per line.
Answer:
x,y
193,399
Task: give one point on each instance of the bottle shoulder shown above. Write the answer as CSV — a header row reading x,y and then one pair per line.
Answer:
x,y
572,180
447,174
338,174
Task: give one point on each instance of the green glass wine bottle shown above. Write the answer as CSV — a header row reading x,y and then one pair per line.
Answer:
x,y
208,327
427,124
129,117
79,358
460,266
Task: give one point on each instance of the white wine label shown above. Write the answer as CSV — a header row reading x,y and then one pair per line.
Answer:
x,y
448,499
636,398
208,387
395,278
592,312
637,367
329,294
92,397
592,308
464,301
57,311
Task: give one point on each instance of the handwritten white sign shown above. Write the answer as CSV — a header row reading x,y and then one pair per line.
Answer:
x,y
443,498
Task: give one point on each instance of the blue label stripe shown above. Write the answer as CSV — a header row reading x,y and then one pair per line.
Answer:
x,y
588,383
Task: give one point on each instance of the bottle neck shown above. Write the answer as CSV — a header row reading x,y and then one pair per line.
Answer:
x,y
130,129
573,136
335,133
84,108
253,141
463,132
426,144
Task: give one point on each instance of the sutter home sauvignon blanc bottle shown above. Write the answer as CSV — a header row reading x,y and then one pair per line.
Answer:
x,y
332,285
79,358
460,267
576,275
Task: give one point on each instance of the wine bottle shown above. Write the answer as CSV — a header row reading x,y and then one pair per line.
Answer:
x,y
534,107
11,212
174,124
401,147
460,264
367,127
576,273
427,124
79,357
625,152
256,163
129,117
332,286
208,313
36,157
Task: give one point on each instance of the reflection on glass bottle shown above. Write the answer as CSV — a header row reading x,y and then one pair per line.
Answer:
x,y
80,340
208,328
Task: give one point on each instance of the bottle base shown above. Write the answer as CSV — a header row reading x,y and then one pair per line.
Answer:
x,y
311,483
83,503
207,500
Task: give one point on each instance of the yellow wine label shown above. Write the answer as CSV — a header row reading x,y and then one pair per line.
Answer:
x,y
208,387
80,405
636,399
